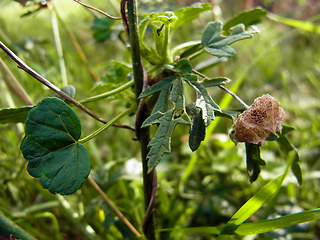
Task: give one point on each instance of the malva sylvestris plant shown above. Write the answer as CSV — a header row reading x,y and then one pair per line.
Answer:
x,y
58,157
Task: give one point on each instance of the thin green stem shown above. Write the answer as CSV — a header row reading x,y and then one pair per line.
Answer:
x,y
108,94
166,43
58,44
14,229
235,96
106,126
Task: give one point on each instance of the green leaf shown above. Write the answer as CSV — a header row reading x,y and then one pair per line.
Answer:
x,y
197,131
256,227
14,115
51,147
187,14
303,25
204,102
277,223
217,44
248,18
213,82
288,148
160,144
102,28
253,161
163,84
184,66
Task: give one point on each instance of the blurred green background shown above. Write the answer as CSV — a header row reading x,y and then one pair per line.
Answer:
x,y
281,60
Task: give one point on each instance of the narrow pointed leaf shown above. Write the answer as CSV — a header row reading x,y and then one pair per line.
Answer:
x,y
287,147
253,161
51,147
213,82
14,115
197,131
163,84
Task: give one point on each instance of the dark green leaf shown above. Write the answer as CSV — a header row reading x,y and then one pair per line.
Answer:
x,y
163,84
287,148
213,82
254,161
160,144
176,94
247,18
197,131
217,44
51,147
191,50
204,102
184,66
102,28
14,115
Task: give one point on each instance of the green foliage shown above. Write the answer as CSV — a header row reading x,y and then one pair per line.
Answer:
x,y
102,28
253,161
201,188
217,44
247,18
14,115
50,146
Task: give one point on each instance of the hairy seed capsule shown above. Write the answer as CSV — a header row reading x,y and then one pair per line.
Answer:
x,y
255,124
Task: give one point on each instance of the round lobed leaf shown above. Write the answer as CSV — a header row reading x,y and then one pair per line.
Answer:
x,y
50,145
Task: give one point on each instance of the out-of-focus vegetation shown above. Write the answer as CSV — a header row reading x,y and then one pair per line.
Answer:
x,y
281,60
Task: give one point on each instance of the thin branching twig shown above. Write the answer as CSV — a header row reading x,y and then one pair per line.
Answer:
x,y
235,96
114,208
97,10
17,89
44,81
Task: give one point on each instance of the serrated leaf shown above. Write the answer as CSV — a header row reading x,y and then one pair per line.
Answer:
x,y
176,94
204,102
160,144
215,43
197,131
248,18
254,161
50,145
163,84
14,115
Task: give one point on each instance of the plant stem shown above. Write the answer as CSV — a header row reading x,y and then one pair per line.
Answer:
x,y
235,96
108,94
54,88
140,80
12,228
114,208
57,40
17,89
97,10
106,126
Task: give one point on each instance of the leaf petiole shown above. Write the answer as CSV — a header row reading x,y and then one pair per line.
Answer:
x,y
106,126
108,94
